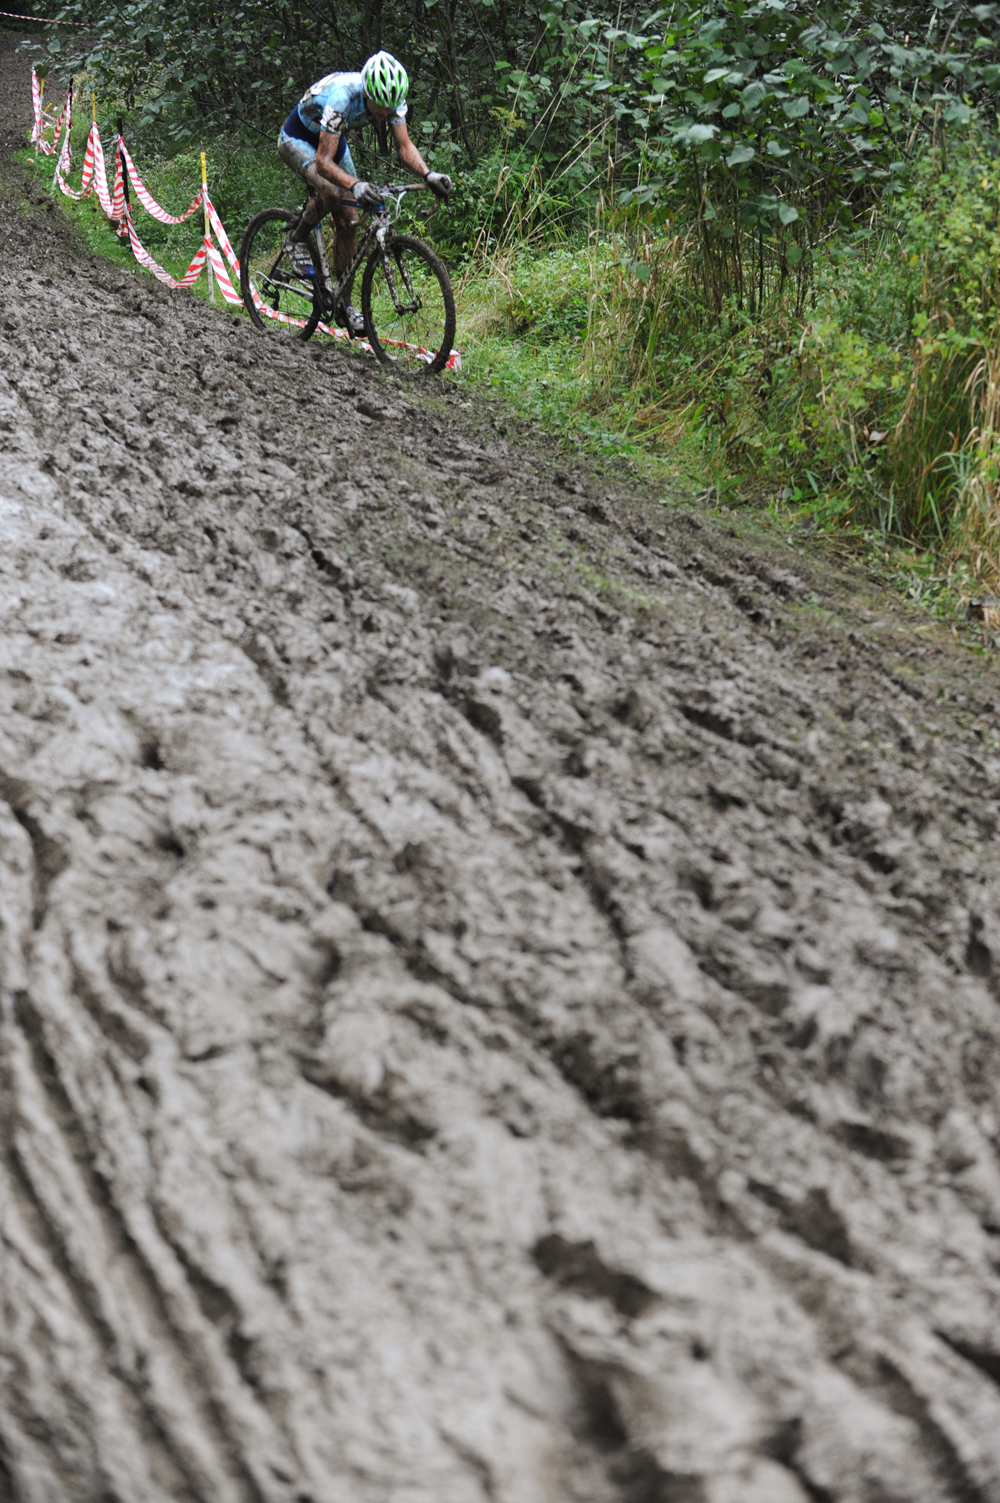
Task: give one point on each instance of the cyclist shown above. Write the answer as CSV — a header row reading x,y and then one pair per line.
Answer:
x,y
313,143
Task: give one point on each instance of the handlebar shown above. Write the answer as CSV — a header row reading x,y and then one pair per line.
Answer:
x,y
391,188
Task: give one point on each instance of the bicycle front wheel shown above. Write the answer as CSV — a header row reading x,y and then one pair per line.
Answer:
x,y
276,293
408,304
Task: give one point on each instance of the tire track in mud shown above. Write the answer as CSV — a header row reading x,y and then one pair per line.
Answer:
x,y
499,977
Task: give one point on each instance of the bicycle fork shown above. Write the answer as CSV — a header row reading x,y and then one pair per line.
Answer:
x,y
415,303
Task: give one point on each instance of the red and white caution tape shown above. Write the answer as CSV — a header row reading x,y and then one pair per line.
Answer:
x,y
146,198
64,159
94,171
38,124
118,191
95,179
218,229
44,119
143,257
205,252
15,15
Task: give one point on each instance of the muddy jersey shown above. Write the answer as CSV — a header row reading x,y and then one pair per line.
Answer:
x,y
335,104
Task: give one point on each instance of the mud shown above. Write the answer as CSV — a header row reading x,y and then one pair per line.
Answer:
x,y
500,975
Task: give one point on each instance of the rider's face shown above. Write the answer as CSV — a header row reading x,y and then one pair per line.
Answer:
x,y
377,111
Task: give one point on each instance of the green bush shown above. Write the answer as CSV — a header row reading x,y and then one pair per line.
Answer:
x,y
898,353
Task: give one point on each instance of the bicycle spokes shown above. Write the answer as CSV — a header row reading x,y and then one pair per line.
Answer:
x,y
409,302
284,283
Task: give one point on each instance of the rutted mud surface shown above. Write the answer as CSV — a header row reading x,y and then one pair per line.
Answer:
x,y
500,978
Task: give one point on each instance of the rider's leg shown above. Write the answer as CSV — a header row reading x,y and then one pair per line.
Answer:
x,y
345,219
323,197
300,156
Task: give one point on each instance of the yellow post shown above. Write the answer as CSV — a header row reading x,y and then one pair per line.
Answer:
x,y
204,207
41,114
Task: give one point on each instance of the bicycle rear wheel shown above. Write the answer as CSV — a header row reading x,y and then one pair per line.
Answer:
x,y
276,293
408,304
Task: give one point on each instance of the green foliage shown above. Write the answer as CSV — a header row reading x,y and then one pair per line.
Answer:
x,y
509,199
770,126
197,66
899,362
951,235
877,407
542,298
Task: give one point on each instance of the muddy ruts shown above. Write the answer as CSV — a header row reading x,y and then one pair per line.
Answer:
x,y
499,991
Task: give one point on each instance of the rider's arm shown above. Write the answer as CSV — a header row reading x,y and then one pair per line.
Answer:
x,y
408,153
329,145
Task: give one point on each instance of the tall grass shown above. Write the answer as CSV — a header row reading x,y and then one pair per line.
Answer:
x,y
875,393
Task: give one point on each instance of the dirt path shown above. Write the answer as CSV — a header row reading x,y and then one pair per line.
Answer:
x,y
500,978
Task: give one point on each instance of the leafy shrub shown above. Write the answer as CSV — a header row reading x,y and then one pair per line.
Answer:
x,y
899,357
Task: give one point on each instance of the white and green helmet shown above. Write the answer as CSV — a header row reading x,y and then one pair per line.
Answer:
x,y
384,80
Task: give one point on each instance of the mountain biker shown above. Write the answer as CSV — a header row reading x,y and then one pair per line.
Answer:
x,y
313,143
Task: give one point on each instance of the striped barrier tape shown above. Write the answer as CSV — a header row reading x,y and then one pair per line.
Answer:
x,y
43,119
146,198
94,171
64,159
143,257
95,179
15,15
36,111
205,252
118,191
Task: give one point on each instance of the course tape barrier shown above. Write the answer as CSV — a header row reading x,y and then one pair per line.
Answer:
x,y
221,257
45,119
15,15
146,198
95,178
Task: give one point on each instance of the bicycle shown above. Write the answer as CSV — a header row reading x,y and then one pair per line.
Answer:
x,y
400,266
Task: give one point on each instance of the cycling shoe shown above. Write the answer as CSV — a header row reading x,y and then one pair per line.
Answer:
x,y
299,254
350,319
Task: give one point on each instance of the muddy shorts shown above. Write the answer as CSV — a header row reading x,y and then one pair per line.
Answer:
x,y
297,148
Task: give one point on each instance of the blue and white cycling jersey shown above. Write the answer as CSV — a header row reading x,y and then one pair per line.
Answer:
x,y
334,104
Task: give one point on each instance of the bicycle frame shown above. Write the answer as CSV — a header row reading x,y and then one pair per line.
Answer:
x,y
380,232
